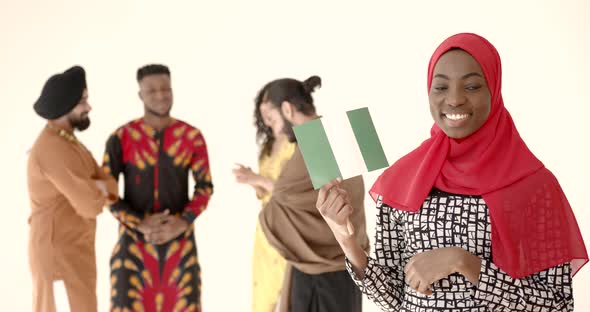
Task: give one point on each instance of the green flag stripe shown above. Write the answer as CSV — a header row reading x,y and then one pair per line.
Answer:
x,y
367,138
319,157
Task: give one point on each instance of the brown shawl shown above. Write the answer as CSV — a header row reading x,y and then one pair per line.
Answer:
x,y
294,227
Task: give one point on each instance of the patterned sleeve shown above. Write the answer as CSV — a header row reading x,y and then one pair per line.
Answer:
x,y
384,275
202,176
113,165
548,290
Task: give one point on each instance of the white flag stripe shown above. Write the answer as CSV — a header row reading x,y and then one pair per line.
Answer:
x,y
344,145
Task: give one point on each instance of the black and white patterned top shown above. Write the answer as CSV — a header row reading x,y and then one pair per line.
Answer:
x,y
448,220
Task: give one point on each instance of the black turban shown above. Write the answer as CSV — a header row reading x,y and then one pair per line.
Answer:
x,y
61,93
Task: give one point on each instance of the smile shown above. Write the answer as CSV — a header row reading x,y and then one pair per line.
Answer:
x,y
456,117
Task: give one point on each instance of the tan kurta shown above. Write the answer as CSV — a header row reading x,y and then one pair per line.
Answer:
x,y
65,201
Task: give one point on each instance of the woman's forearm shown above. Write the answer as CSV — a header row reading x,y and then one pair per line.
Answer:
x,y
355,254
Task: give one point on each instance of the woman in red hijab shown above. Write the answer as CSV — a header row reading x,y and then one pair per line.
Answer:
x,y
471,220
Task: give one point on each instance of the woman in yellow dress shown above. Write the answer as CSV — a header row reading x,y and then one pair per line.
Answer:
x,y
275,150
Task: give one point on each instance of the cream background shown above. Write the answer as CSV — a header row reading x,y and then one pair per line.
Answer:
x,y
369,53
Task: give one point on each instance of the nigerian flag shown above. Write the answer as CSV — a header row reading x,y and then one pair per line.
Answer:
x,y
340,145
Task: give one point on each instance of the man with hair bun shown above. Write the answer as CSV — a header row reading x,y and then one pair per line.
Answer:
x,y
316,279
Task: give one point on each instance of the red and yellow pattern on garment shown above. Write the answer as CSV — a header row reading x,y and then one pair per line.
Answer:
x,y
156,166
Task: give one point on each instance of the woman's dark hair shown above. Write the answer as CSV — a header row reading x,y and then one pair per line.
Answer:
x,y
296,92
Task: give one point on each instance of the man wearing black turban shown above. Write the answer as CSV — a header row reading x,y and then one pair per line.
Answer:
x,y
67,190
64,100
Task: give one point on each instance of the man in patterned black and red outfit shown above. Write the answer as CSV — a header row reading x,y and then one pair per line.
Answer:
x,y
154,265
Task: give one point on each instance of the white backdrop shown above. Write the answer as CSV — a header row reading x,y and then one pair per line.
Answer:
x,y
368,53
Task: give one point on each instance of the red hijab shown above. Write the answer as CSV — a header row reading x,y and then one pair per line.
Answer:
x,y
533,226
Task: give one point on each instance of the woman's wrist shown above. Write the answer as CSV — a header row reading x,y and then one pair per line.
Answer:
x,y
469,265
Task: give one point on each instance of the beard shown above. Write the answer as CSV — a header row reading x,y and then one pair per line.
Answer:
x,y
288,130
79,123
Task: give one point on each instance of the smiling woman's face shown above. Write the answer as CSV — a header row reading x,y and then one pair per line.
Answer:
x,y
460,100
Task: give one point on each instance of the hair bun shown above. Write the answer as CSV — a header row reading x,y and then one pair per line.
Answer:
x,y
311,83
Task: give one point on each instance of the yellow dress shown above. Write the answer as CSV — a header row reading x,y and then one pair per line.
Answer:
x,y
268,265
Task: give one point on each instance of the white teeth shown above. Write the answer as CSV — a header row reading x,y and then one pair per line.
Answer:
x,y
456,116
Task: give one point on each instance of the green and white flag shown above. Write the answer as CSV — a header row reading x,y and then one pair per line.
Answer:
x,y
340,146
